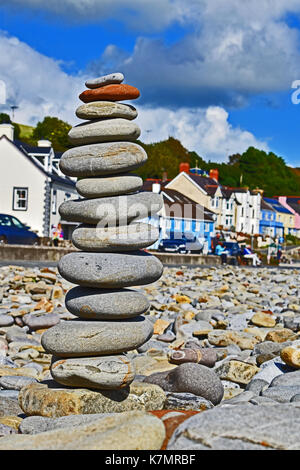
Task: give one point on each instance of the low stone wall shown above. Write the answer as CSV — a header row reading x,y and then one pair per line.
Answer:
x,y
48,253
32,253
177,259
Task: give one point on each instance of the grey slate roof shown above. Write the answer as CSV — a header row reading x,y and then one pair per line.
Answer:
x,y
182,206
28,149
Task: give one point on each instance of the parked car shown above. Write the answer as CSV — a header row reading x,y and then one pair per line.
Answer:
x,y
13,231
181,245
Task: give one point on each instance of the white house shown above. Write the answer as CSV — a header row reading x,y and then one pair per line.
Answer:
x,y
235,208
31,185
248,210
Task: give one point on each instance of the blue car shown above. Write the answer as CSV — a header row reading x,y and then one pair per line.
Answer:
x,y
14,232
181,245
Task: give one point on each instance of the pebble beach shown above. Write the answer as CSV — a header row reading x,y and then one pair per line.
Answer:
x,y
220,371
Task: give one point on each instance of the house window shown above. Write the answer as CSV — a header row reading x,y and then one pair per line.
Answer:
x,y
54,201
215,202
229,205
188,225
20,199
206,229
197,226
228,221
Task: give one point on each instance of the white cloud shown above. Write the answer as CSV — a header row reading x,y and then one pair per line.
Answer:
x,y
39,87
36,83
234,50
206,131
141,15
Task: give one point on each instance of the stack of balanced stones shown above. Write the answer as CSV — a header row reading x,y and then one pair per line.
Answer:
x,y
90,351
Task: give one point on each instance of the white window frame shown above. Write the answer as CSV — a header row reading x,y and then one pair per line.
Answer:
x,y
17,199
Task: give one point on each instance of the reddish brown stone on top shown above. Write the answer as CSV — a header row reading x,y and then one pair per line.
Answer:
x,y
115,92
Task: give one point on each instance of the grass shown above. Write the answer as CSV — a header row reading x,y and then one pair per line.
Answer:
x,y
26,131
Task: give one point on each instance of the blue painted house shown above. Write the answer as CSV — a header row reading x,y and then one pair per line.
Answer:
x,y
181,217
269,223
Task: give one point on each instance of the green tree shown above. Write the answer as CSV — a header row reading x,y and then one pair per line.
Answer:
x,y
163,158
55,130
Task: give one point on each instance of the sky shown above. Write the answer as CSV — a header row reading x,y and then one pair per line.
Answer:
x,y
218,75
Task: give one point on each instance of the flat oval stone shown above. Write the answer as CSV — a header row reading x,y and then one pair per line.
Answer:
x,y
40,321
106,109
77,338
15,382
122,431
104,372
110,270
105,80
38,424
56,401
108,239
190,378
114,92
108,186
96,304
112,211
6,320
102,159
104,130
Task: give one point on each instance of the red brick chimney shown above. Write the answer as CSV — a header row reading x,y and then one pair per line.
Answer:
x,y
184,167
214,174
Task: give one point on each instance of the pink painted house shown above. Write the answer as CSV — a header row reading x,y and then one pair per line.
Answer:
x,y
293,205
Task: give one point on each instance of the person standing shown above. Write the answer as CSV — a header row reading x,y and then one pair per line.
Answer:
x,y
279,254
57,234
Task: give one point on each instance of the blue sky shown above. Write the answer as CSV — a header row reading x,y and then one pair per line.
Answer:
x,y
215,74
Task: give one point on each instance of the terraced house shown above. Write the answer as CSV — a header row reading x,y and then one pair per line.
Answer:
x,y
31,184
283,215
292,203
269,223
236,209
